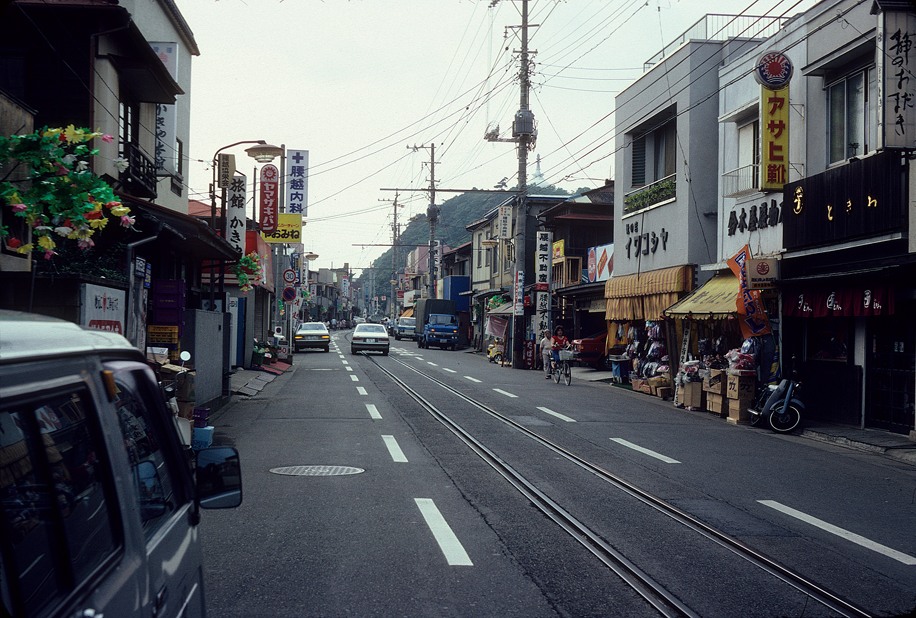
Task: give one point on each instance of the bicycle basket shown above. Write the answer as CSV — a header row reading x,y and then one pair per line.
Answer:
x,y
567,355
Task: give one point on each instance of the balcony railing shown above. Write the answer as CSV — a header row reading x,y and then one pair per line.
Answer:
x,y
140,176
740,181
650,195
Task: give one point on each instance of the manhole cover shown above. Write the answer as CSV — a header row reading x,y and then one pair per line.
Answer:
x,y
317,470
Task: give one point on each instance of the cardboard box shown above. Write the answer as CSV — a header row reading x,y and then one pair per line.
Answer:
x,y
740,387
665,392
715,382
658,382
690,395
716,404
737,411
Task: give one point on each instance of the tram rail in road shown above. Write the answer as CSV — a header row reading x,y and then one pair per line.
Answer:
x,y
652,591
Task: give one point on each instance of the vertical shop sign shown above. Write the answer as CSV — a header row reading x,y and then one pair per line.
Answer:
x,y
505,222
297,179
519,293
269,196
235,213
226,167
751,316
166,116
897,58
773,72
542,279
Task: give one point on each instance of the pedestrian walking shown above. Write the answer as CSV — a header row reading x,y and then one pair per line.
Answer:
x,y
546,345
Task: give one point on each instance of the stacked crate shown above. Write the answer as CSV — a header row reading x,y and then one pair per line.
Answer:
x,y
714,387
740,390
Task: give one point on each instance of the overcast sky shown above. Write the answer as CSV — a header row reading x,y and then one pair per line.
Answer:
x,y
356,82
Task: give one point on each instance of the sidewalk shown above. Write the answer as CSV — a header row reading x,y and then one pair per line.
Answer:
x,y
892,445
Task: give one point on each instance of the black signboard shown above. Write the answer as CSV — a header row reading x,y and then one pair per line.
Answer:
x,y
863,198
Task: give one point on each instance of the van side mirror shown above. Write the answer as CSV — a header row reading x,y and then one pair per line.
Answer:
x,y
219,478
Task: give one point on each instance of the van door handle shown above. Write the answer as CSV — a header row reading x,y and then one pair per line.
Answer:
x,y
159,603
90,613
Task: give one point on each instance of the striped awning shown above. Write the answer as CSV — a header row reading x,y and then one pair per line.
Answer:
x,y
645,296
716,299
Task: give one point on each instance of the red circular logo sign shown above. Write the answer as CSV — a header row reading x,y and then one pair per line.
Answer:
x,y
763,268
773,70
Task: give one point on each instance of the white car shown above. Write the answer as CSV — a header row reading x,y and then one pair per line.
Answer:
x,y
369,337
312,335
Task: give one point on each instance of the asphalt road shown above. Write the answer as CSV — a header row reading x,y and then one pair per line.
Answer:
x,y
426,528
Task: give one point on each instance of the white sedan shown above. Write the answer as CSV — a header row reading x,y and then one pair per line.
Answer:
x,y
369,337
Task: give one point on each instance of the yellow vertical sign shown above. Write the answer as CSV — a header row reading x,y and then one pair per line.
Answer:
x,y
774,132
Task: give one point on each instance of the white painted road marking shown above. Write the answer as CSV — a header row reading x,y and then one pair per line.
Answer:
x,y
449,370
394,449
562,417
449,544
472,379
361,390
345,362
354,378
840,532
644,451
349,368
506,393
373,411
431,363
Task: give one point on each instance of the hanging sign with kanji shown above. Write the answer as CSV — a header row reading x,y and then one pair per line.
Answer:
x,y
270,198
235,213
287,231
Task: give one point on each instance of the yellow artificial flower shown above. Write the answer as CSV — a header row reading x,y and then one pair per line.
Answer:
x,y
74,135
46,243
25,249
120,210
98,224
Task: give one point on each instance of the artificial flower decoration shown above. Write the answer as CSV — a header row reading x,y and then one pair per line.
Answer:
x,y
62,197
248,271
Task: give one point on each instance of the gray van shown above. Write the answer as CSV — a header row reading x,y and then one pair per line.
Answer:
x,y
99,499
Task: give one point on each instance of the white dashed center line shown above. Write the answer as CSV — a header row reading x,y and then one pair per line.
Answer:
x,y
840,532
449,544
354,378
562,417
472,379
373,411
449,370
431,363
645,451
506,393
394,449
349,368
361,390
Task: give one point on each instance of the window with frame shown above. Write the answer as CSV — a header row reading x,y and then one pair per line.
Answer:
x,y
852,115
57,499
662,143
146,439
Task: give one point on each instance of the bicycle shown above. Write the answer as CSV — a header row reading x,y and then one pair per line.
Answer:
x,y
561,369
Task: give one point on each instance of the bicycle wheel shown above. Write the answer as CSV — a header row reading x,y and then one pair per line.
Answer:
x,y
557,372
784,419
567,373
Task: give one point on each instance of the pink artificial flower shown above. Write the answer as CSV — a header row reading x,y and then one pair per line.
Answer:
x,y
49,254
19,207
85,244
127,220
107,138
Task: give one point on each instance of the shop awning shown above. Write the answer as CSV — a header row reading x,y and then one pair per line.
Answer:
x,y
501,310
715,299
645,296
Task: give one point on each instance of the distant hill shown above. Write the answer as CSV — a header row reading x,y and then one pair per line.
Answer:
x,y
455,214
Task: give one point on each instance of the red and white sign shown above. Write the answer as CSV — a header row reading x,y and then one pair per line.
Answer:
x,y
270,198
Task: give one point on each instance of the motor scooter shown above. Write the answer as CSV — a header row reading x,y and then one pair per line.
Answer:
x,y
779,405
496,351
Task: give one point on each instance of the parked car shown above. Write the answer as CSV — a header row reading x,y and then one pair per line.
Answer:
x,y
369,338
404,328
590,350
312,335
99,505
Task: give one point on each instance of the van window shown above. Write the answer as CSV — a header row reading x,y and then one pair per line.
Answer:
x,y
56,499
145,442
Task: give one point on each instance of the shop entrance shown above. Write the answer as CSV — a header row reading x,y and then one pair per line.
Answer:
x,y
891,373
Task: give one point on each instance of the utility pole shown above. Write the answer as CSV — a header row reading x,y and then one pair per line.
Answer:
x,y
432,215
524,134
396,234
